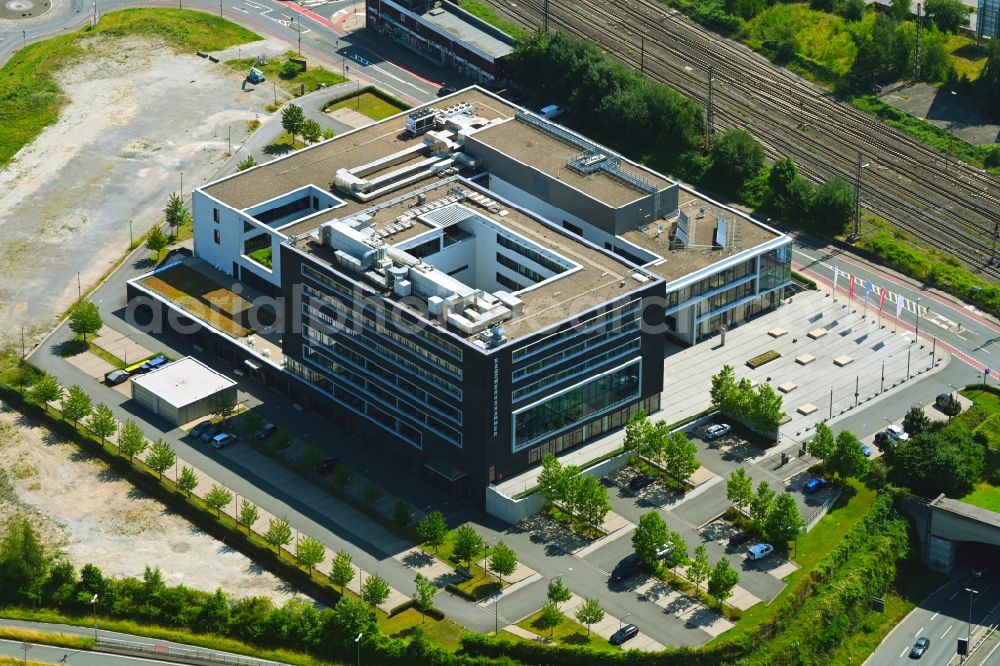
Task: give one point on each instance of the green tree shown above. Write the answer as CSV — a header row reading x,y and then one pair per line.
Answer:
x,y
161,457
503,560
783,173
247,515
424,593
946,461
282,441
637,432
649,537
833,207
589,500
131,439
549,618
589,612
341,569
218,498
224,404
798,201
987,86
557,592
765,407
352,617
292,119
175,214
677,551
760,505
466,544
736,156
949,15
915,422
102,422
247,163
311,457
23,563
371,494
328,134
84,318
309,552
900,10
289,70
433,529
723,388
847,460
739,488
157,241
783,522
402,513
697,569
679,456
342,476
278,534
251,423
76,404
554,480
822,444
374,590
722,580
311,131
187,481
47,389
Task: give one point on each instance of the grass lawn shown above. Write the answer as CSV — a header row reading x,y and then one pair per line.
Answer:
x,y
987,494
285,143
367,104
481,584
568,633
312,77
967,56
440,632
262,256
824,38
30,98
486,13
202,297
849,508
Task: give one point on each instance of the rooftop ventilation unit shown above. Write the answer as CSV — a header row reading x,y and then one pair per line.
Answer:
x,y
420,121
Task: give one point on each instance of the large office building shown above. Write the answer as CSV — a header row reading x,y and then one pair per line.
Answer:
x,y
988,19
469,284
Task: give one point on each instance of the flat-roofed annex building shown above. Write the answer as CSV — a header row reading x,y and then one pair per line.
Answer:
x,y
182,391
473,286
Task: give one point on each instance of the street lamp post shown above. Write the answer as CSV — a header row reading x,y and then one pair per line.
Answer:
x,y
357,641
968,638
93,601
916,330
621,620
486,550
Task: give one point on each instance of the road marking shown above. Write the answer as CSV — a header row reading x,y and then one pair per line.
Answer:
x,y
903,653
405,83
946,631
953,595
240,9
933,616
919,631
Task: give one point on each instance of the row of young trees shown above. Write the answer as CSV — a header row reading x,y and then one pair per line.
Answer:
x,y
467,544
841,455
760,408
293,121
654,443
652,535
549,617
774,516
579,495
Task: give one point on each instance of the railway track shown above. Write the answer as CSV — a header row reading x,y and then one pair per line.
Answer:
x,y
955,207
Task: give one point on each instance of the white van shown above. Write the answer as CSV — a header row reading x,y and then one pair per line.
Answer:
x,y
551,111
896,433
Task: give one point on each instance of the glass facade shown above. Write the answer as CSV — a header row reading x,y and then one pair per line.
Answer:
x,y
775,268
576,405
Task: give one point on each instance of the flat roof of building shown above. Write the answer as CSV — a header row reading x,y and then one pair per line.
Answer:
x,y
183,382
600,278
446,18
703,220
545,152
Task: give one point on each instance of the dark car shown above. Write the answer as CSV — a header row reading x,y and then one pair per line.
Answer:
x,y
265,431
326,465
630,566
814,485
446,90
920,647
200,429
739,539
979,570
153,363
208,433
116,377
641,481
626,633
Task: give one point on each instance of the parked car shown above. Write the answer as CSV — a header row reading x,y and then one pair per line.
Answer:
x,y
200,429
866,451
116,377
265,431
920,647
208,433
445,90
222,440
641,481
814,485
947,403
153,363
979,570
759,551
626,633
326,465
717,430
896,433
739,539
551,111
630,565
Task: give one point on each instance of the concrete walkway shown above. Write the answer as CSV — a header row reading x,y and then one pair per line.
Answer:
x,y
609,625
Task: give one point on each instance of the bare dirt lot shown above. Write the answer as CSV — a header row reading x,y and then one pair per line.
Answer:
x,y
137,117
94,516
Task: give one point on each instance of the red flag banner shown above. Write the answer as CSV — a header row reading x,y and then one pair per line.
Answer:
x,y
851,294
